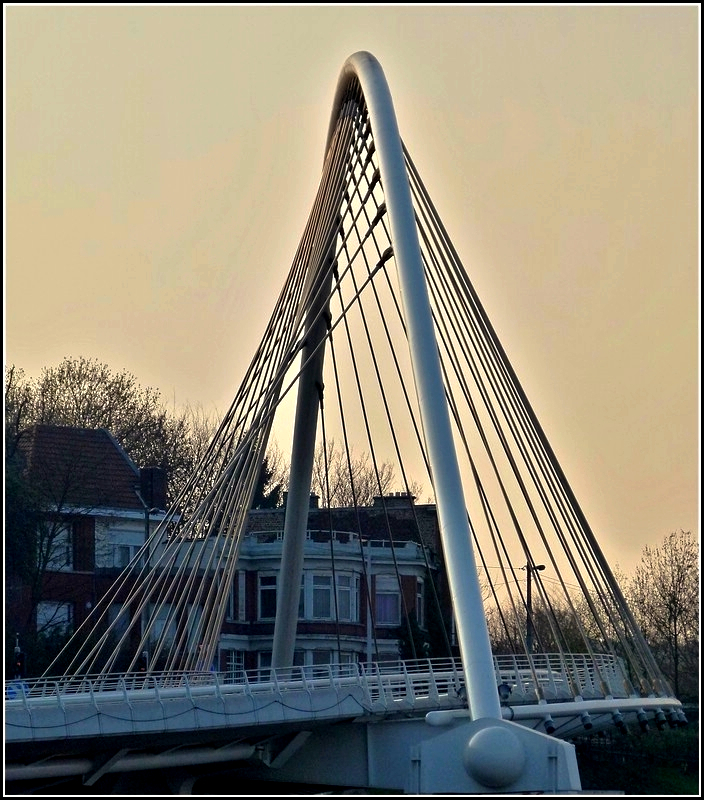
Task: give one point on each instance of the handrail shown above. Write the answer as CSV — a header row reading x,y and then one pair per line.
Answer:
x,y
555,673
88,706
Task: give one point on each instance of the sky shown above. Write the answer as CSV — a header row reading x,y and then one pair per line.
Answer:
x,y
161,162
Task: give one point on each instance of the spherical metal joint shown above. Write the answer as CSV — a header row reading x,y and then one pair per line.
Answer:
x,y
494,756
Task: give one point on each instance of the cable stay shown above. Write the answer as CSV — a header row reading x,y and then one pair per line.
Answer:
x,y
343,325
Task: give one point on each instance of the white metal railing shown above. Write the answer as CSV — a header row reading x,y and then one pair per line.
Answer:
x,y
137,703
271,535
322,536
552,675
563,675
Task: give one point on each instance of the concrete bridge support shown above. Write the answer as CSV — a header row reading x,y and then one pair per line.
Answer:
x,y
407,755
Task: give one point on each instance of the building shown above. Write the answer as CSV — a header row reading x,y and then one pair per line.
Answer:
x,y
371,576
98,507
366,572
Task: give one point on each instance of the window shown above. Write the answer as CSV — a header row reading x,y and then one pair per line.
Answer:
x,y
124,553
234,665
241,594
54,617
319,657
230,603
60,546
344,596
118,620
319,661
388,600
267,597
193,620
263,663
348,597
318,602
235,599
322,597
383,658
164,625
116,547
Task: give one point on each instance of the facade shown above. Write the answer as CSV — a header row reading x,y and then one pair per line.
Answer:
x,y
99,506
366,574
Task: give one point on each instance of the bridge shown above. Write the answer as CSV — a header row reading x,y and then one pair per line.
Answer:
x,y
95,725
377,340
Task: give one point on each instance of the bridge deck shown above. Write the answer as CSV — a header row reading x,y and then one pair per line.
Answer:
x,y
565,688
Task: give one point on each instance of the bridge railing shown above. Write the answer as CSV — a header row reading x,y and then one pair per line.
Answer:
x,y
100,705
549,676
562,675
424,680
90,684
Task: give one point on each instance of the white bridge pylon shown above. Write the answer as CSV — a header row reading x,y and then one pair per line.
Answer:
x,y
363,71
379,344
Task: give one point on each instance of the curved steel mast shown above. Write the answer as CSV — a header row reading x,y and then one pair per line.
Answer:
x,y
455,527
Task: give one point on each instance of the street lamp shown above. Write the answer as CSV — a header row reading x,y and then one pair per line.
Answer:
x,y
530,569
144,661
147,530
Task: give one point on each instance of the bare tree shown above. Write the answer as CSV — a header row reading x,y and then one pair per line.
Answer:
x,y
84,393
664,596
47,512
279,469
349,480
189,432
19,407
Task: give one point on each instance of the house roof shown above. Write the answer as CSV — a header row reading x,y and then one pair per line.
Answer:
x,y
80,467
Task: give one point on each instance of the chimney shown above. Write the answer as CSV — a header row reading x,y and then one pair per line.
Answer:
x,y
152,486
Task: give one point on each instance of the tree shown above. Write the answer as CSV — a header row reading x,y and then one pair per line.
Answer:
x,y
188,434
415,642
349,481
664,596
77,393
19,408
23,513
40,522
85,393
267,492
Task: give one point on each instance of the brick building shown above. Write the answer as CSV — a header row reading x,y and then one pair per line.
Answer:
x,y
98,506
366,571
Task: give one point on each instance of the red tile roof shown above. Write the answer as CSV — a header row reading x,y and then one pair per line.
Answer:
x,y
78,466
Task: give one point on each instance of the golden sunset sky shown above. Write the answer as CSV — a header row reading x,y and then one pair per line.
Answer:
x,y
161,162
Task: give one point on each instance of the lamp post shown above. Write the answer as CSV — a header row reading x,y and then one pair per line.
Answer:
x,y
144,660
147,530
530,568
